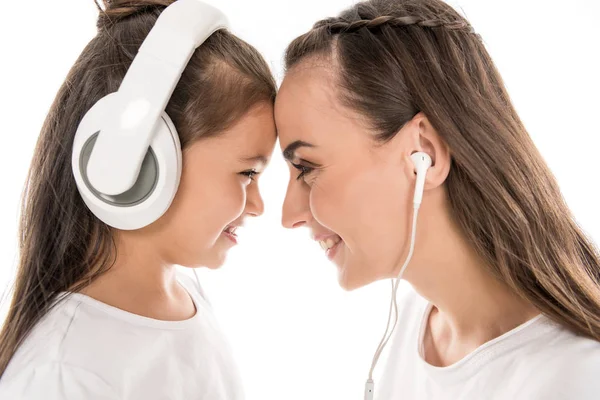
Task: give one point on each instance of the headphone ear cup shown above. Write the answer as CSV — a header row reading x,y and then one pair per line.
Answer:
x,y
157,181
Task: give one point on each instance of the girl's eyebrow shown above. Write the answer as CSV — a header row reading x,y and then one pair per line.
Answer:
x,y
261,159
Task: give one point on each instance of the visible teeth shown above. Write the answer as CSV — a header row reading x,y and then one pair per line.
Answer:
x,y
329,243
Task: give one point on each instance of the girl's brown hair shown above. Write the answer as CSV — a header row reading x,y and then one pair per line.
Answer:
x,y
62,245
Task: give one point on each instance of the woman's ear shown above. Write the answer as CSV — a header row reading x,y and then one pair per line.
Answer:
x,y
425,138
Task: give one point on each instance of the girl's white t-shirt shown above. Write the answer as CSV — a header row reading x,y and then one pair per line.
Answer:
x,y
538,360
86,349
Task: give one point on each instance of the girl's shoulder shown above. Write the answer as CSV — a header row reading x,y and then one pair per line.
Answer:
x,y
192,284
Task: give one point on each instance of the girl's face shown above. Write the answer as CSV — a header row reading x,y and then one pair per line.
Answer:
x,y
355,196
218,190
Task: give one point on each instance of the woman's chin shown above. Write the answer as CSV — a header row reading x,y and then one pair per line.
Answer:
x,y
349,280
351,284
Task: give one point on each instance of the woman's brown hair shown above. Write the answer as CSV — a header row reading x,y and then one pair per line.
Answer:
x,y
396,58
62,245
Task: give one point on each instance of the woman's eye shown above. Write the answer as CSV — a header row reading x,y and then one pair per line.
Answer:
x,y
304,170
250,173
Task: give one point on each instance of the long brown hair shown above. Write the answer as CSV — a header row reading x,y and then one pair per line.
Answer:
x,y
395,58
62,245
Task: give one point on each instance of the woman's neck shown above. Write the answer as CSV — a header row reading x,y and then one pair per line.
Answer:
x,y
470,306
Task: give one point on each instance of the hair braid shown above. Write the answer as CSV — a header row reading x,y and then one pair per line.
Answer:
x,y
339,25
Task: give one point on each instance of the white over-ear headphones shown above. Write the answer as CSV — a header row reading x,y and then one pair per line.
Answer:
x,y
422,162
126,153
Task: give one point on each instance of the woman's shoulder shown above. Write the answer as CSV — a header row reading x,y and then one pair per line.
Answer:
x,y
573,375
564,365
579,355
572,349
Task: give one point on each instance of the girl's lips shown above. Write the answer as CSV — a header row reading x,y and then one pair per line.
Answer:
x,y
230,236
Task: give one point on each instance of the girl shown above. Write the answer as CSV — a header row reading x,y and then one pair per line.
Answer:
x,y
506,299
102,313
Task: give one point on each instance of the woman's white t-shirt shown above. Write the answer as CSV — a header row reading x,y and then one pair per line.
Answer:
x,y
85,349
538,360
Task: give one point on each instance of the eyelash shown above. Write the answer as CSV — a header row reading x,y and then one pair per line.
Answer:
x,y
303,170
250,173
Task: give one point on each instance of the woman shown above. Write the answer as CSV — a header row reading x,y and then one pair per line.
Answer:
x,y
100,312
505,298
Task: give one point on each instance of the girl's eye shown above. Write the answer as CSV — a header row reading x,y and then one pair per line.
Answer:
x,y
304,170
250,173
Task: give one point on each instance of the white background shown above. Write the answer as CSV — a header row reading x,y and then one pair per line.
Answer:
x,y
295,333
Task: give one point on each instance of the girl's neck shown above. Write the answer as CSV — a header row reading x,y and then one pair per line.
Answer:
x,y
140,282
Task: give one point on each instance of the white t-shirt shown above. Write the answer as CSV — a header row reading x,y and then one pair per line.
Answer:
x,y
538,360
86,349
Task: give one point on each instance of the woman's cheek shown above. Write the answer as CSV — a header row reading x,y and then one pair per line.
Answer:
x,y
325,204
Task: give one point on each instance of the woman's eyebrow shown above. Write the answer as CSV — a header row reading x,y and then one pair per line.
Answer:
x,y
288,153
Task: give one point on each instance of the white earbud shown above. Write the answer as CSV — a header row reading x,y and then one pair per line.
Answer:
x,y
422,163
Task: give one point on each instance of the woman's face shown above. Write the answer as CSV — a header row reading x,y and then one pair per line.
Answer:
x,y
353,194
218,190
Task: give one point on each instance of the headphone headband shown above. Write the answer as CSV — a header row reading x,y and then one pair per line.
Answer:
x,y
135,109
